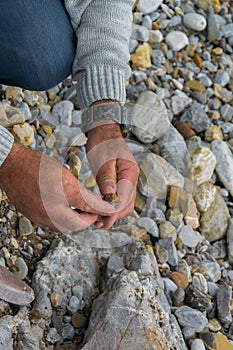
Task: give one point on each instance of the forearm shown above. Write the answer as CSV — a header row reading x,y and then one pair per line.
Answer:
x,y
101,64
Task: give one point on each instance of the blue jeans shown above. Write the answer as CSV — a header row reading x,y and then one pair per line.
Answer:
x,y
37,43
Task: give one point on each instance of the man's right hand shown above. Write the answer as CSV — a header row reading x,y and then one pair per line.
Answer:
x,y
43,190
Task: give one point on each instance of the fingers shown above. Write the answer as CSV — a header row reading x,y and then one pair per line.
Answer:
x,y
106,178
67,220
89,202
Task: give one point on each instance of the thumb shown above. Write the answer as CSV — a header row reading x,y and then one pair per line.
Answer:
x,y
107,178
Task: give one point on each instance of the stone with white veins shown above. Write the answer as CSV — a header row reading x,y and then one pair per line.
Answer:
x,y
149,119
155,167
148,6
64,110
194,21
176,40
224,163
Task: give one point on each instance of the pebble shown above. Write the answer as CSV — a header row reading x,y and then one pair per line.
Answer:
x,y
222,78
24,133
201,164
166,229
176,40
153,167
196,299
140,33
194,21
149,225
149,117
64,111
68,332
199,282
213,33
197,344
224,163
180,279
211,270
178,297
214,325
205,196
22,269
189,237
25,226
226,112
155,37
213,133
197,117
168,244
214,222
74,304
141,58
56,299
224,294
216,341
147,22
188,317
79,320
148,6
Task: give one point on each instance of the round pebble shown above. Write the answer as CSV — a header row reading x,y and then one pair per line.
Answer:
x,y
194,21
176,40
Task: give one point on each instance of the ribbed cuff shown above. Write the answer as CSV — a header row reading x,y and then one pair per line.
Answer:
x,y
6,143
99,82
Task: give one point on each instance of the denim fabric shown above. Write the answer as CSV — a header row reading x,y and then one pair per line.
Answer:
x,y
37,43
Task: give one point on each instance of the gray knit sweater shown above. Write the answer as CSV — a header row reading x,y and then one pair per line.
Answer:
x,y
103,29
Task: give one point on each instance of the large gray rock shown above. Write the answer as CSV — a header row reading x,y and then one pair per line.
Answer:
x,y
127,313
149,117
224,165
148,6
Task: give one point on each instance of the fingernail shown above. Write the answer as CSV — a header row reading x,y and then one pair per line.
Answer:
x,y
108,189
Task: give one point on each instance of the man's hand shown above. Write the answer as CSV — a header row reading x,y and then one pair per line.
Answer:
x,y
43,190
115,168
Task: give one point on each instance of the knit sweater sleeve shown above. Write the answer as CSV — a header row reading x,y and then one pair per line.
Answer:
x,y
103,29
6,142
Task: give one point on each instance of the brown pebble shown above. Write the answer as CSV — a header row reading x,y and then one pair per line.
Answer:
x,y
56,299
79,320
180,279
185,130
195,85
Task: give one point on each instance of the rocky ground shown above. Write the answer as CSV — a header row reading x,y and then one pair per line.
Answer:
x,y
161,278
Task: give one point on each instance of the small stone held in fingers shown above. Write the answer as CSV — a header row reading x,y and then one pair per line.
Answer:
x,y
112,198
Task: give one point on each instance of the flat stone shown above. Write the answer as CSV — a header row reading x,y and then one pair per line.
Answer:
x,y
153,167
166,229
188,317
22,269
196,299
168,244
195,85
155,37
25,226
223,304
214,222
176,40
179,102
149,225
211,270
141,58
24,133
197,117
139,33
213,133
148,6
227,30
173,148
222,93
227,112
180,279
224,163
200,165
79,320
194,21
189,237
222,78
149,118
64,110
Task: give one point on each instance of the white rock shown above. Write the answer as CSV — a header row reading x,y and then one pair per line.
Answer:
x,y
148,6
64,110
155,37
190,237
194,21
204,196
197,344
156,175
176,40
201,163
149,117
